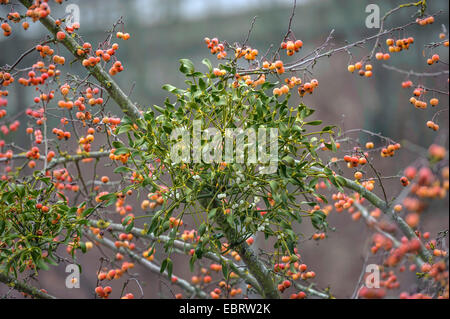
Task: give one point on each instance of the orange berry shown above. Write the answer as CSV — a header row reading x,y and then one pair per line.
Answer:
x,y
105,179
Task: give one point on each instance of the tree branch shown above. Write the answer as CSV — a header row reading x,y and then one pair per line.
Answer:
x,y
23,287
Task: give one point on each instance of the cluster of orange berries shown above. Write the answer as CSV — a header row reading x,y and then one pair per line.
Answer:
x,y
116,68
190,235
154,199
147,254
418,92
103,292
91,61
62,178
292,46
342,201
115,273
426,185
44,97
8,154
122,35
302,90
39,114
277,66
121,208
434,59
38,10
397,254
358,66
14,17
372,293
136,178
415,101
90,96
219,72
433,126
319,236
197,280
226,251
4,103
437,152
216,47
124,241
425,21
261,79
369,185
107,54
215,294
88,139
248,53
300,271
382,56
12,127
280,91
69,29
33,79
390,280
59,59
6,78
294,81
60,134
6,29
205,277
389,151
122,157
175,222
42,208
37,134
44,50
84,49
355,160
405,295
308,87
33,153
399,44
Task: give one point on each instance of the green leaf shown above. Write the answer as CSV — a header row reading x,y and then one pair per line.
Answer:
x,y
192,262
186,67
202,229
169,88
129,226
169,267
225,269
126,220
83,247
121,169
108,196
208,64
41,264
273,186
2,226
314,123
163,265
318,219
